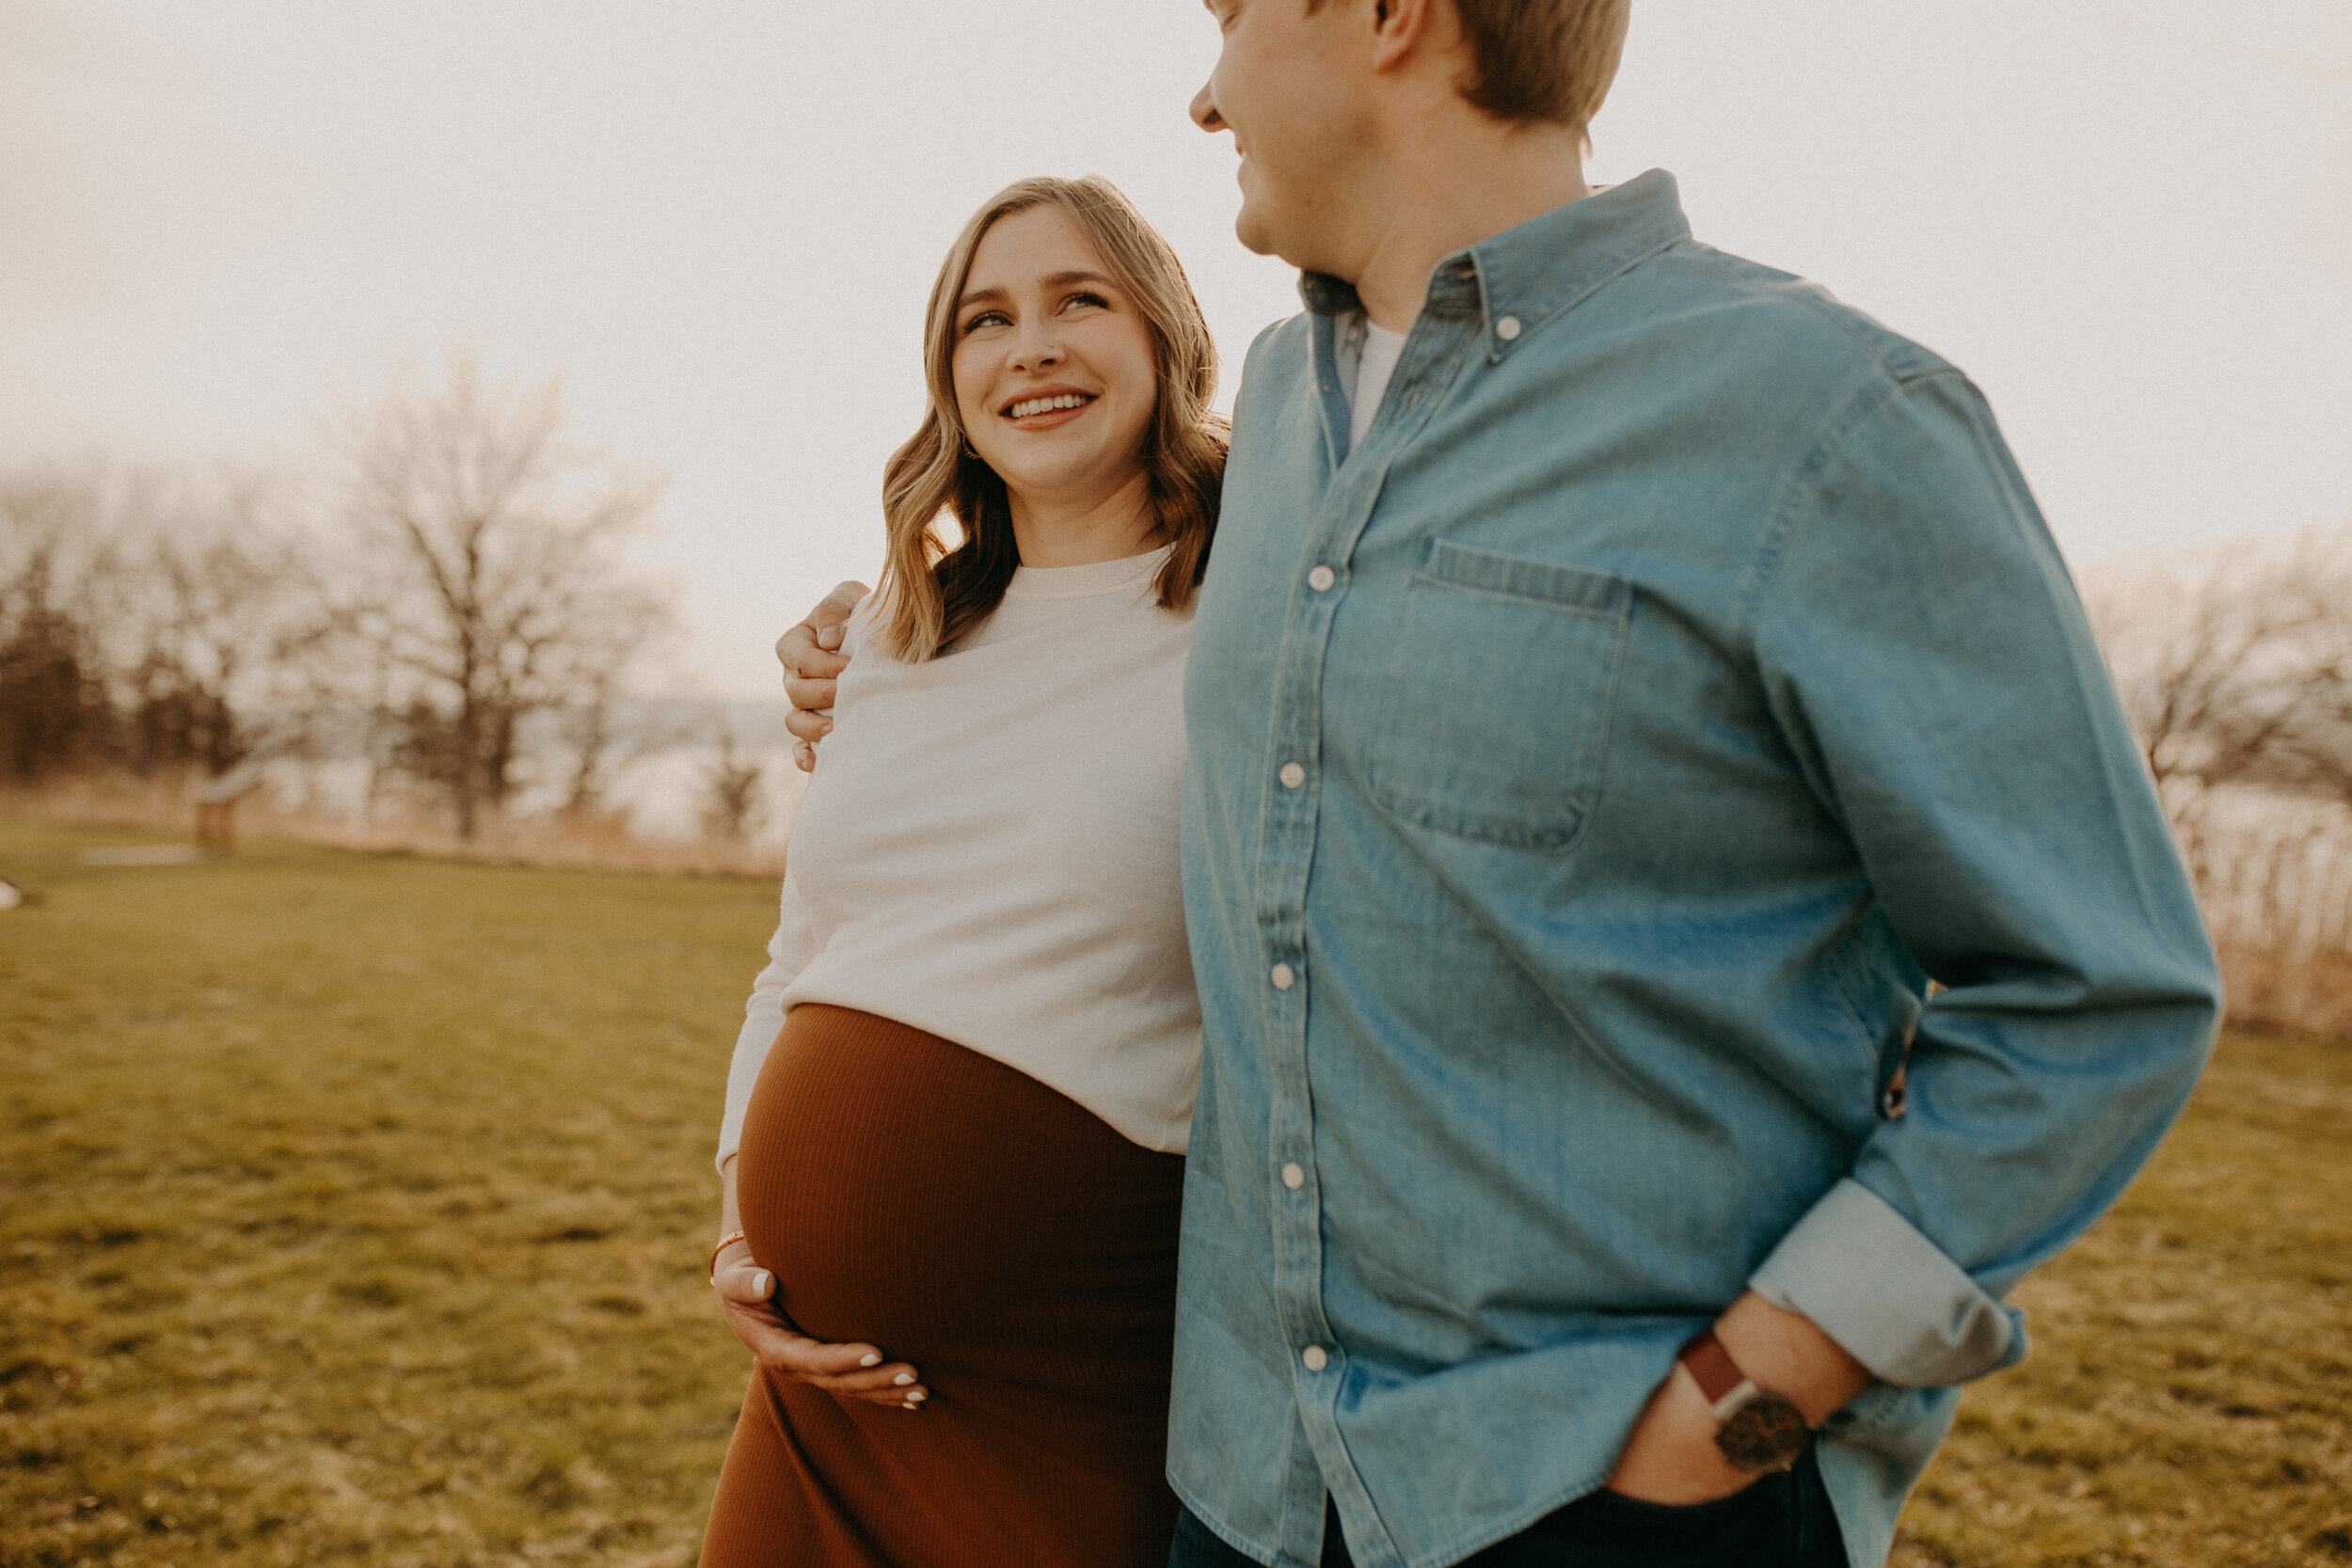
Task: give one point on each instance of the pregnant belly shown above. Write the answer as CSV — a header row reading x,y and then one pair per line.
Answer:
x,y
955,1212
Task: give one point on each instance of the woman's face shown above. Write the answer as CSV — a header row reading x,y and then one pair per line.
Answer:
x,y
1053,363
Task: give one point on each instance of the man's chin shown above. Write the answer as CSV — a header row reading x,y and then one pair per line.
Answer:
x,y
1254,232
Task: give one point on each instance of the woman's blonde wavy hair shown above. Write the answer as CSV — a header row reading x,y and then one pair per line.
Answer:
x,y
933,590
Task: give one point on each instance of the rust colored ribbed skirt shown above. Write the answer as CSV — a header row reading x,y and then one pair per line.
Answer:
x,y
1021,1255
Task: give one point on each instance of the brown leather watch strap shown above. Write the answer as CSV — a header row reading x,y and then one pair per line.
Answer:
x,y
1758,1430
1713,1368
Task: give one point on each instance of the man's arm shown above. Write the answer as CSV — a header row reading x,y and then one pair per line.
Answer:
x,y
810,665
1933,673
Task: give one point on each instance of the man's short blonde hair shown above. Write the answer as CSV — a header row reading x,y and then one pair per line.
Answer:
x,y
1542,61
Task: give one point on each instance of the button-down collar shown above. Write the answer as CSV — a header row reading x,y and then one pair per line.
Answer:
x,y
1532,274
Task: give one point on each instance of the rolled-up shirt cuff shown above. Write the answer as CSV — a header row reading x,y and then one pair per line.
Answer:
x,y
1892,1298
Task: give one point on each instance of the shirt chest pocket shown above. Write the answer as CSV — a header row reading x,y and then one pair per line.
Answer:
x,y
1496,721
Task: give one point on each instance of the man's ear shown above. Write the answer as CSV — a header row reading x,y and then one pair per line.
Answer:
x,y
1399,26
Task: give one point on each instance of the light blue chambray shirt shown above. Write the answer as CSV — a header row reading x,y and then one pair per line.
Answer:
x,y
1587,775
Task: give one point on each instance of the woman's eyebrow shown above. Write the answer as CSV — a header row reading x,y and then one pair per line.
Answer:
x,y
1051,280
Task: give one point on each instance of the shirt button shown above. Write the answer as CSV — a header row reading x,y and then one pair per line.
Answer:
x,y
1283,978
1293,775
1315,1358
1507,328
1293,1176
1321,579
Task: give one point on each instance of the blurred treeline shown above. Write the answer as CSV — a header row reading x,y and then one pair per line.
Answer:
x,y
462,576
462,586
2235,665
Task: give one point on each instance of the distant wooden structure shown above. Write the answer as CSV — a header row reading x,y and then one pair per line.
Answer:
x,y
216,807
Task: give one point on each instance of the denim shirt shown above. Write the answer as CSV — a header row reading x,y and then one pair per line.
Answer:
x,y
1587,775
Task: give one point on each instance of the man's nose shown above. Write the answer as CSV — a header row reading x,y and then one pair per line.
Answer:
x,y
1204,113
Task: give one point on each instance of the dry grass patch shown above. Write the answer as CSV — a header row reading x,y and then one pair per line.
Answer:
x,y
2188,1404
352,1208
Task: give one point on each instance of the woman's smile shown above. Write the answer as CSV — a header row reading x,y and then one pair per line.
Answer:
x,y
1048,407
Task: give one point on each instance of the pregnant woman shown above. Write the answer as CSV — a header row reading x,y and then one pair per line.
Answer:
x,y
952,1149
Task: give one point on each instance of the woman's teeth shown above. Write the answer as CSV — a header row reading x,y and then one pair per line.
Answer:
x,y
1046,405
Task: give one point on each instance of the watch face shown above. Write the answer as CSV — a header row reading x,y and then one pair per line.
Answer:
x,y
1766,1433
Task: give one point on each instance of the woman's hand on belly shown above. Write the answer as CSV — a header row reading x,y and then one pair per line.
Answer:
x,y
849,1372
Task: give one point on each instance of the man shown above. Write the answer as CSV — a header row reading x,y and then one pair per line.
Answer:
x,y
1625,678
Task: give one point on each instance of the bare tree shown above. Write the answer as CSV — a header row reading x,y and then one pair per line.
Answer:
x,y
2237,670
2313,753
56,709
732,807
2228,666
494,583
2313,757
588,729
221,631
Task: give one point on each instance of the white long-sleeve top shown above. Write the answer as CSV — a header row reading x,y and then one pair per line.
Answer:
x,y
988,851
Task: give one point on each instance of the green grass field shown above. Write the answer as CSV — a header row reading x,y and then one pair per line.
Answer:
x,y
353,1208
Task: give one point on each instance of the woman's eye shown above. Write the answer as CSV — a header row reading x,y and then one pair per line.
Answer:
x,y
987,318
1078,299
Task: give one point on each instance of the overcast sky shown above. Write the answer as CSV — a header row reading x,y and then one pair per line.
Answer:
x,y
2131,222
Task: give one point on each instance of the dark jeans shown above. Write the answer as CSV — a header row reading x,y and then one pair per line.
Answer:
x,y
1782,1521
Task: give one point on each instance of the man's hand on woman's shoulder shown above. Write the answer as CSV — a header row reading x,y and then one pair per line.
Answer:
x,y
810,665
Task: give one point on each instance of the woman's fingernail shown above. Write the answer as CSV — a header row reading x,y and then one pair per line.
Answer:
x,y
917,1397
760,1282
903,1379
870,1360
828,726
909,1405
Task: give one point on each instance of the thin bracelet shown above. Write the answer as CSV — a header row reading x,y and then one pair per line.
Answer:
x,y
724,1242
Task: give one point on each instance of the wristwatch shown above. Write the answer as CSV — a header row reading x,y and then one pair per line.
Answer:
x,y
1758,1430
